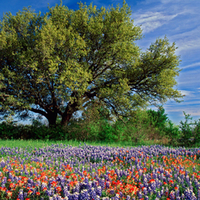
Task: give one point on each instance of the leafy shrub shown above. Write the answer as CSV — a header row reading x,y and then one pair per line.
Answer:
x,y
196,133
120,131
173,133
8,131
107,132
187,133
135,128
158,118
93,130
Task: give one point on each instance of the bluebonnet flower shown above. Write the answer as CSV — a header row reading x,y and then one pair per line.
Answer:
x,y
25,194
162,191
84,195
99,191
21,196
182,196
140,173
107,184
153,185
117,197
187,193
158,194
139,194
187,178
48,192
86,180
101,183
154,175
172,195
145,182
198,194
75,196
112,191
83,186
92,193
3,164
77,187
146,198
43,186
89,185
145,191
66,193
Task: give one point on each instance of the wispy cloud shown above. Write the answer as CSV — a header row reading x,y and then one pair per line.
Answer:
x,y
178,19
188,40
191,66
190,79
172,1
150,21
186,93
188,110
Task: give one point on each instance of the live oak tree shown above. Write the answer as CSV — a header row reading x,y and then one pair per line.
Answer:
x,y
60,61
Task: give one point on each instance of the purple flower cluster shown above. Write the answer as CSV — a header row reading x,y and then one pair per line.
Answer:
x,y
97,172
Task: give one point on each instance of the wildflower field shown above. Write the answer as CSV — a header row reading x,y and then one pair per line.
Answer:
x,y
99,172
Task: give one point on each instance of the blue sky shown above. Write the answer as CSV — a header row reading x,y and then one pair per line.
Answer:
x,y
179,20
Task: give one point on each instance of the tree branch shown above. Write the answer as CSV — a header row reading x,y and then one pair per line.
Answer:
x,y
39,112
116,113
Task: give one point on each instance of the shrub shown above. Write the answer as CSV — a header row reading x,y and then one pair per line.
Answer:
x,y
8,130
187,133
158,118
173,133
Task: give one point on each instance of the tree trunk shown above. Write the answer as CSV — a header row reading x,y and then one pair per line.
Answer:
x,y
65,119
52,116
71,108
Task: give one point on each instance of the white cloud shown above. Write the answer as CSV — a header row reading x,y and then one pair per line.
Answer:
x,y
186,93
189,103
192,65
189,78
188,110
171,1
152,20
187,41
157,15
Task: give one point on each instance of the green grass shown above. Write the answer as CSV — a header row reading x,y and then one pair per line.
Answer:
x,y
40,143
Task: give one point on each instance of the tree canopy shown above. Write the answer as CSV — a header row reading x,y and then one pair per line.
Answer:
x,y
71,57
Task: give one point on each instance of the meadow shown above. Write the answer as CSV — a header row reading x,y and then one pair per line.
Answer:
x,y
148,158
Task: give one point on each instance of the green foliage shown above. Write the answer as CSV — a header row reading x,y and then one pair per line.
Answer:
x,y
35,131
196,132
158,118
137,131
54,51
107,133
8,131
173,133
93,131
75,132
190,136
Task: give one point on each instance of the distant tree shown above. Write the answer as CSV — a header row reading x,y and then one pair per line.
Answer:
x,y
70,57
